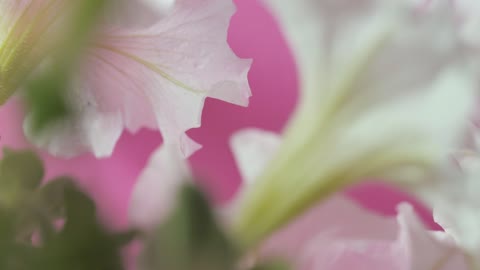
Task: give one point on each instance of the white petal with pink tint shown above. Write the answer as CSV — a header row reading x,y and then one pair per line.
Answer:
x,y
426,250
154,194
455,198
65,138
252,150
339,235
468,13
158,77
365,110
137,13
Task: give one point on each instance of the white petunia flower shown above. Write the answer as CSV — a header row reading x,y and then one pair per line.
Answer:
x,y
336,234
386,92
149,65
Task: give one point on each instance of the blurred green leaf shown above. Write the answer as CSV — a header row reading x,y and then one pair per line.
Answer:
x,y
27,208
46,98
190,239
51,196
13,255
83,243
21,173
273,265
47,91
7,237
45,207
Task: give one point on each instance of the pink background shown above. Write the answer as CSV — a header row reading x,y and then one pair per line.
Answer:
x,y
253,34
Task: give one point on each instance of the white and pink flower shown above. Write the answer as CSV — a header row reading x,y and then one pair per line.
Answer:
x,y
149,65
377,79
334,235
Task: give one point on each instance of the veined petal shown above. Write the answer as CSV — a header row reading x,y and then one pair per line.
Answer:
x,y
25,29
159,77
373,73
155,192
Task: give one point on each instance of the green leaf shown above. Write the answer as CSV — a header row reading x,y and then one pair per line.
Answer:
x,y
6,237
190,239
273,265
83,243
51,196
26,207
13,255
21,172
43,209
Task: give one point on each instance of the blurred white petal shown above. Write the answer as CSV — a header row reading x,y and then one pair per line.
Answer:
x,y
252,150
338,235
454,196
152,65
155,192
377,81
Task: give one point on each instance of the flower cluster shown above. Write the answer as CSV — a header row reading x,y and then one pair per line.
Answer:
x,y
388,91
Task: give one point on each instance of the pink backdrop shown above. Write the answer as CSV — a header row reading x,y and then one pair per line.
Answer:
x,y
253,34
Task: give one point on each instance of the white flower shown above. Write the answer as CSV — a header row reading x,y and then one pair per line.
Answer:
x,y
336,234
386,92
141,70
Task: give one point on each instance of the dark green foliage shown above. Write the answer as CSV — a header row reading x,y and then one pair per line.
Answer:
x,y
69,236
274,265
28,209
190,239
83,243
21,173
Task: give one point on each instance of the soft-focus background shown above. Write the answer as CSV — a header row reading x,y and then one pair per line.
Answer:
x,y
253,34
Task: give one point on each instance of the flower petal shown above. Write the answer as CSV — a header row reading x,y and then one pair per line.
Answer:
x,y
138,13
159,77
253,149
426,250
66,138
155,191
366,109
25,25
455,201
384,32
337,217
339,235
468,12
